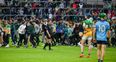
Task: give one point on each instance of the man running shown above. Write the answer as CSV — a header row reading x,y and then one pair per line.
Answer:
x,y
87,25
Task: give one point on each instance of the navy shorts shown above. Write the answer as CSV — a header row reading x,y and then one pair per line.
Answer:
x,y
101,42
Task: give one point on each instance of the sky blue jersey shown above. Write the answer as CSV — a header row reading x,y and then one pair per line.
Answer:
x,y
101,30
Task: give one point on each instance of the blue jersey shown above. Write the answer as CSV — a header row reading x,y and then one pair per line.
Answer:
x,y
101,30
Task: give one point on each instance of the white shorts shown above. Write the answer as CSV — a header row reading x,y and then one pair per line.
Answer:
x,y
87,38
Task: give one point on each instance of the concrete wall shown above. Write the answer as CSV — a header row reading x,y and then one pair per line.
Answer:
x,y
100,2
95,2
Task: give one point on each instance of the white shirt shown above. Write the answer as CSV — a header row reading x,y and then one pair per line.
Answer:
x,y
37,28
62,5
50,16
21,29
2,2
80,6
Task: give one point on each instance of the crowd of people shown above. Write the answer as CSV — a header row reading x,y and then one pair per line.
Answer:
x,y
43,9
51,33
22,30
52,9
59,23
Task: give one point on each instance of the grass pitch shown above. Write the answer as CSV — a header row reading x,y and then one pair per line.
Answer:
x,y
59,54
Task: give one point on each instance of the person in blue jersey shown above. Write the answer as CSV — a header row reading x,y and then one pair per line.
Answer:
x,y
100,32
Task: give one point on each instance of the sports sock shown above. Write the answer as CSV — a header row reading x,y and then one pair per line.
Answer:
x,y
101,60
45,45
49,46
81,52
98,60
89,54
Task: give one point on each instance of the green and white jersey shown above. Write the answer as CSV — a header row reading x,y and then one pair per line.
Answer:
x,y
88,23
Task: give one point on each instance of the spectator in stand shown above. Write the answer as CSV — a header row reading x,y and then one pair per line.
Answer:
x,y
34,7
21,12
74,5
81,9
95,15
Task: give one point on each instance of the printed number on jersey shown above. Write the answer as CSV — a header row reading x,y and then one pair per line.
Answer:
x,y
102,28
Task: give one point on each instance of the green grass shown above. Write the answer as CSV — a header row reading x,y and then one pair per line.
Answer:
x,y
59,54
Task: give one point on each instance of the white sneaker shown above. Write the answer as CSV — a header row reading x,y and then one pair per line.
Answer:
x,y
79,44
7,46
0,45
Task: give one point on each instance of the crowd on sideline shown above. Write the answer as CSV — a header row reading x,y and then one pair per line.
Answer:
x,y
52,32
